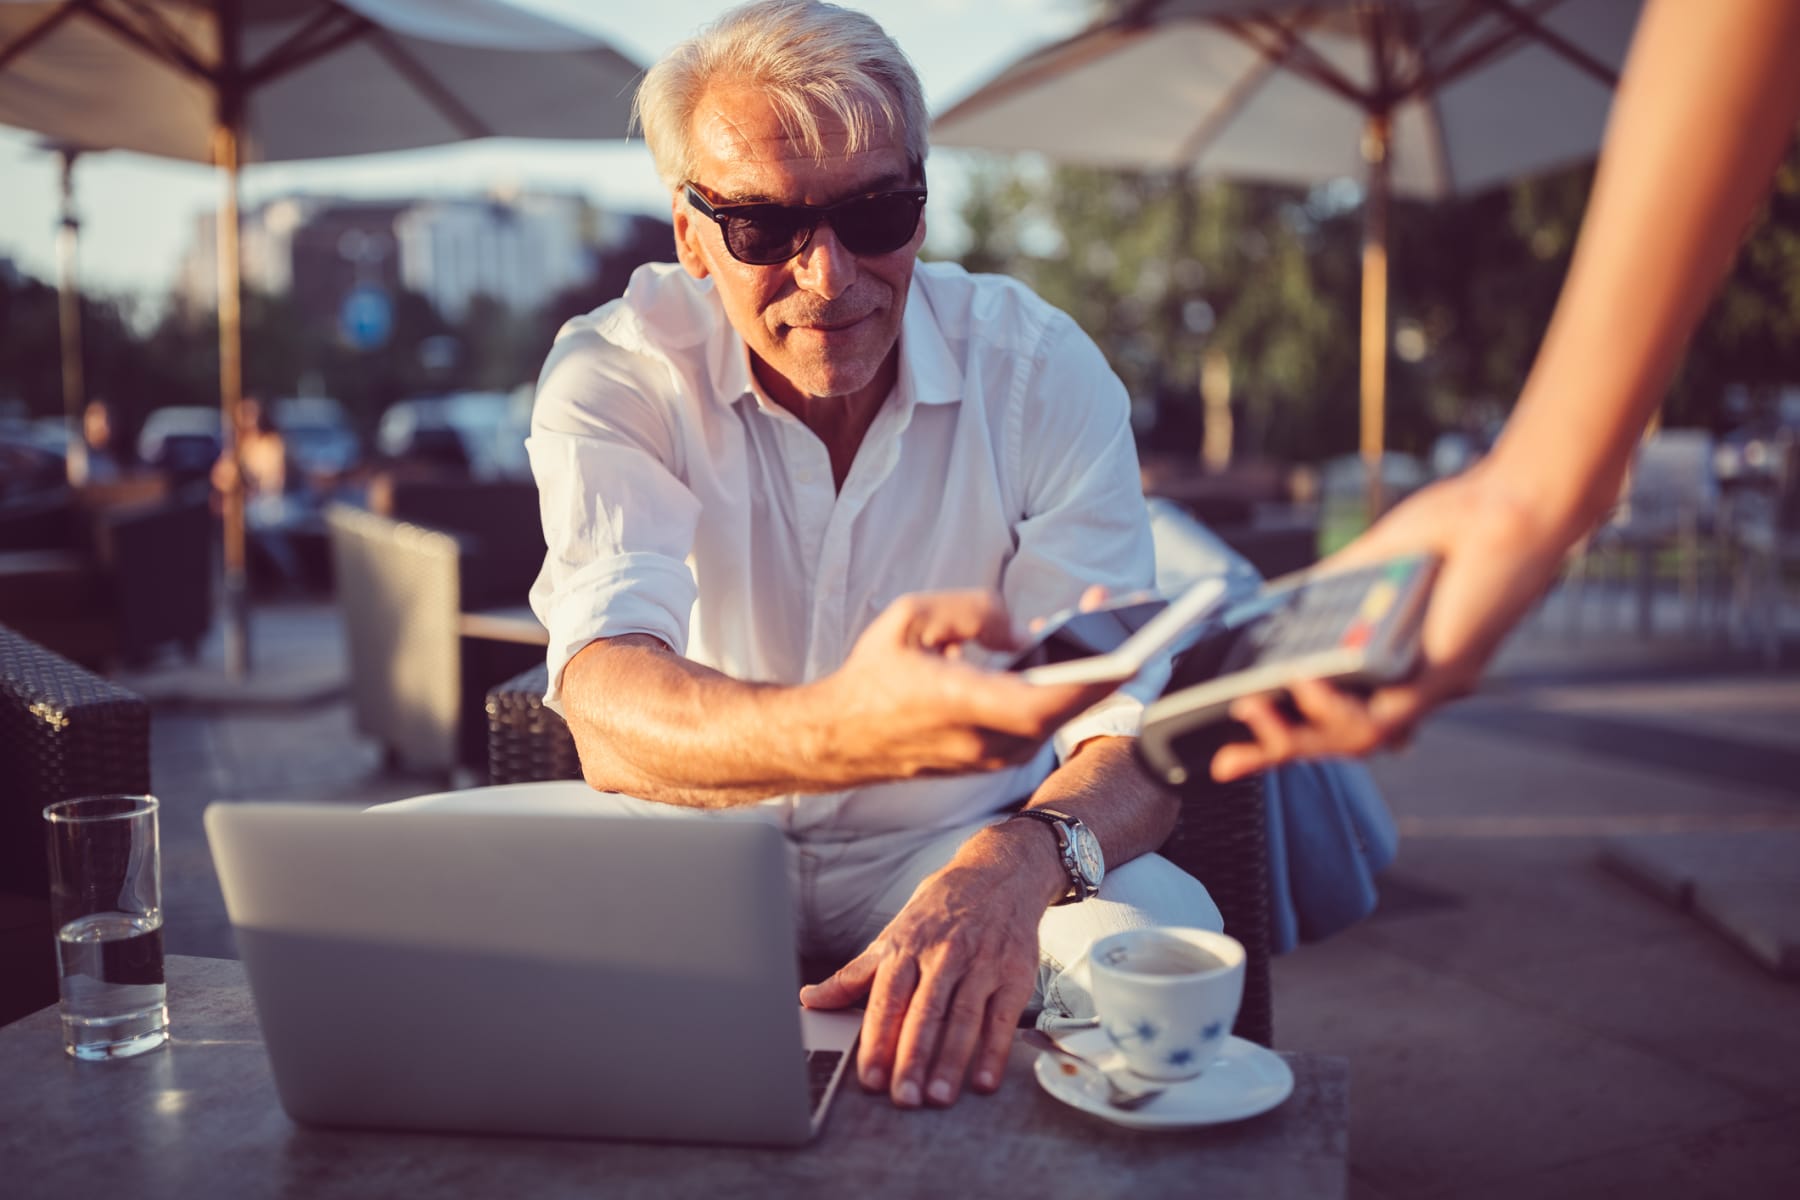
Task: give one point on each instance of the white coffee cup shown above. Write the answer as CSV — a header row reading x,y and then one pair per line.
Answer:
x,y
1167,996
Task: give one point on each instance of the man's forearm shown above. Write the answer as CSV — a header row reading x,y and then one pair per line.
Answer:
x,y
1105,787
655,725
652,724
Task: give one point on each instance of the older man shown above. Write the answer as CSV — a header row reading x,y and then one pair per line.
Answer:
x,y
786,484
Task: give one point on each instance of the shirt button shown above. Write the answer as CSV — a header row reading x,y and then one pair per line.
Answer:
x,y
809,477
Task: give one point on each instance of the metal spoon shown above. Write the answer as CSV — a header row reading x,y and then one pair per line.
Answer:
x,y
1123,1089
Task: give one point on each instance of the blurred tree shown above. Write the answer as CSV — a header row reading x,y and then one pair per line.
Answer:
x,y
278,344
1752,335
995,202
644,240
1474,283
30,362
1160,270
29,370
499,351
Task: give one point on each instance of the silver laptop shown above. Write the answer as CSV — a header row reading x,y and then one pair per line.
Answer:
x,y
556,975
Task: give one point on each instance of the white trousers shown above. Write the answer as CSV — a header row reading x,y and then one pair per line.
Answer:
x,y
849,886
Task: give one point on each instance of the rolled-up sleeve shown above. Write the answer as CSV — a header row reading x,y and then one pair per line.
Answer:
x,y
1084,520
618,521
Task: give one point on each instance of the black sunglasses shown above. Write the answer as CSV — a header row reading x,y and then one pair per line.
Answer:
x,y
764,234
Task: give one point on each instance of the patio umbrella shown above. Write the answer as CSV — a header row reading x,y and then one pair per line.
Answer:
x,y
229,82
1422,98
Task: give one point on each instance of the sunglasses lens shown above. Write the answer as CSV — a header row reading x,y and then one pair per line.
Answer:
x,y
766,234
877,224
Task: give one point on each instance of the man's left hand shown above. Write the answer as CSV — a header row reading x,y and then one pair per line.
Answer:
x,y
947,979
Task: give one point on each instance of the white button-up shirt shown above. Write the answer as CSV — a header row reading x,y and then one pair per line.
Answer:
x,y
680,502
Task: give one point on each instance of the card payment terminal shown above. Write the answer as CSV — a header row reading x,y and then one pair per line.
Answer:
x,y
1357,629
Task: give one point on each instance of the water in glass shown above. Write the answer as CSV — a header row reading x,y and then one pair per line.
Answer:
x,y
114,1001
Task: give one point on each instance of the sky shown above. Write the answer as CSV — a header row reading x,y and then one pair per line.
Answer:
x,y
138,212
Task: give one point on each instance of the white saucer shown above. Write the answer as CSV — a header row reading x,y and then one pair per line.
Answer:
x,y
1245,1080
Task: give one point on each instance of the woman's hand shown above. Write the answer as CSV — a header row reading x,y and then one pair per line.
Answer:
x,y
1498,557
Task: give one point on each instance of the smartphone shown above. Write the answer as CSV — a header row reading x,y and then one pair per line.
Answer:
x,y
1112,643
1073,634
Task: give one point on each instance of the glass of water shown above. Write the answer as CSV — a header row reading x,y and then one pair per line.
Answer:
x,y
106,903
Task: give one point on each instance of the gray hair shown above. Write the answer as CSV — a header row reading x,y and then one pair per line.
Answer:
x,y
809,58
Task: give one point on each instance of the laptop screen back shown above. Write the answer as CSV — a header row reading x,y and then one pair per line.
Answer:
x,y
519,973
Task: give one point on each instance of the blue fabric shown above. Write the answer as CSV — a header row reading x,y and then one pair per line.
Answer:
x,y
1330,830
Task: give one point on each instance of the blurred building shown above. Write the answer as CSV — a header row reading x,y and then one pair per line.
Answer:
x,y
341,245
265,249
519,248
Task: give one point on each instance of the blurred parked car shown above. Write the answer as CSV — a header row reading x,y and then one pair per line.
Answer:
x,y
46,433
318,436
515,427
478,425
52,433
181,441
416,433
26,467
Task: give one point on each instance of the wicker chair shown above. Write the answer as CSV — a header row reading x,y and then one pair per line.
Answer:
x,y
127,580
63,733
1222,839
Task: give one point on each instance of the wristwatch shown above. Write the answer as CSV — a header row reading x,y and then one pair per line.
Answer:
x,y
1079,848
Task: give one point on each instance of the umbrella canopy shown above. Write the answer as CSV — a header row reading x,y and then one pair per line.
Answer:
x,y
1426,98
314,78
235,81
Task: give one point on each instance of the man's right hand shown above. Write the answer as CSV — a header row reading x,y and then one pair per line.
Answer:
x,y
907,701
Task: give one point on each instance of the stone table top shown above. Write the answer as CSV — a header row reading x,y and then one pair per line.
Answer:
x,y
200,1117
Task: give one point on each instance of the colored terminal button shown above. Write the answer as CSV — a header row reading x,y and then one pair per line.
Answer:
x,y
1379,600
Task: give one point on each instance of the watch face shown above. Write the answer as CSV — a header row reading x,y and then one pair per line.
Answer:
x,y
1088,857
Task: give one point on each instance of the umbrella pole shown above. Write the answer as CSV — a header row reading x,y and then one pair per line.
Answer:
x,y
68,313
1377,142
231,380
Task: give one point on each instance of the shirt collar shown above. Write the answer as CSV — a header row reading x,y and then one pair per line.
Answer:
x,y
729,361
929,373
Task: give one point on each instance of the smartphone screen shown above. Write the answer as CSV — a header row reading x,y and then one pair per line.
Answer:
x,y
1085,634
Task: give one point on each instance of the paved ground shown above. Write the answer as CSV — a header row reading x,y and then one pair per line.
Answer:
x,y
1521,1021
